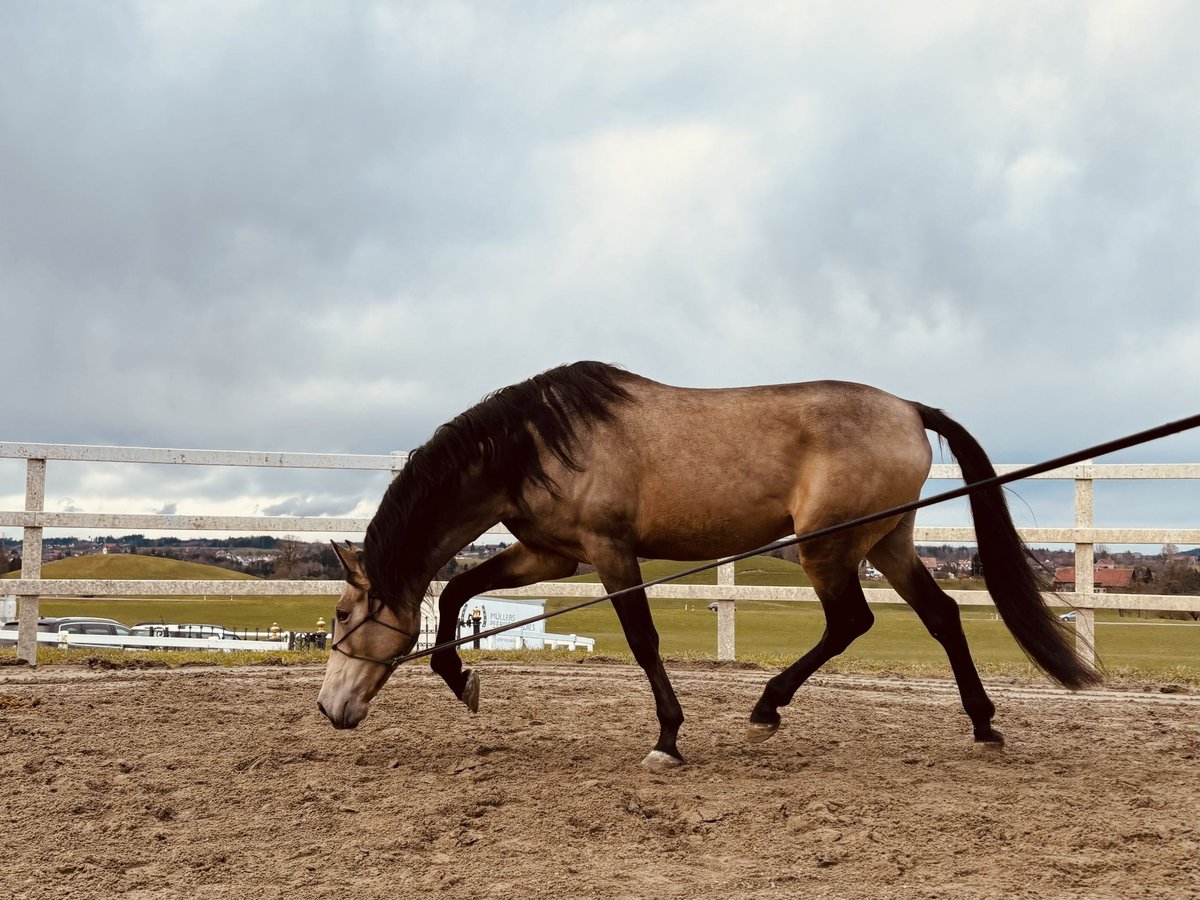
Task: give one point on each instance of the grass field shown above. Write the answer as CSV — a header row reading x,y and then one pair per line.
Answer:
x,y
770,633
290,613
779,633
134,566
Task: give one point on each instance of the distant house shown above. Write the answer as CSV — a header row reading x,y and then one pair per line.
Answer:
x,y
1105,580
930,563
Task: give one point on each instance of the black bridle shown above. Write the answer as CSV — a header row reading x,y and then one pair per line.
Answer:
x,y
372,615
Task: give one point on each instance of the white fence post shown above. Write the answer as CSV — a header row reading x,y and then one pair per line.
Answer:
x,y
1085,562
726,649
31,561
725,630
727,573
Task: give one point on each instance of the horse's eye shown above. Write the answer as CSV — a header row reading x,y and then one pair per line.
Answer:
x,y
342,615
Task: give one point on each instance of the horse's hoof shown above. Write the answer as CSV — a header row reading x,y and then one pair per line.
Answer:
x,y
757,732
658,761
470,693
990,740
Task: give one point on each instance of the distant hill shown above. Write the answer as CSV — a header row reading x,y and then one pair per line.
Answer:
x,y
126,566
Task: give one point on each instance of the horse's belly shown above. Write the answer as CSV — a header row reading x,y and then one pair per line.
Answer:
x,y
709,533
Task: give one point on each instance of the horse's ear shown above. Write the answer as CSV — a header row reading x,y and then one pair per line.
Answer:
x,y
352,565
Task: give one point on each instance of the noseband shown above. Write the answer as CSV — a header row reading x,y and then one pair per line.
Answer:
x,y
389,662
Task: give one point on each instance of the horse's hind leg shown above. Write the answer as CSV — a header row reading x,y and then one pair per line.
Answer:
x,y
847,616
896,557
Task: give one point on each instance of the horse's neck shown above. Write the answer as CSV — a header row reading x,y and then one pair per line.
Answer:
x,y
463,526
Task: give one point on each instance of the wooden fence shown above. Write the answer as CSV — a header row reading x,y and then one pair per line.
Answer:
x,y
33,519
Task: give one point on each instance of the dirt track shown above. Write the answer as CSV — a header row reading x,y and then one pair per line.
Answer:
x,y
228,784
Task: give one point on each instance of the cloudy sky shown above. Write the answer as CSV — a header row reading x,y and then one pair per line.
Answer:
x,y
330,227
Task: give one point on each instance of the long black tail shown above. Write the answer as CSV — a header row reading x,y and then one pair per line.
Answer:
x,y
1010,579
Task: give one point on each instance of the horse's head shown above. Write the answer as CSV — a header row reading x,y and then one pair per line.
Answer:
x,y
368,636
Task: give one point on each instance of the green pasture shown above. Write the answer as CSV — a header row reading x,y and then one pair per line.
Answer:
x,y
769,633
134,566
777,633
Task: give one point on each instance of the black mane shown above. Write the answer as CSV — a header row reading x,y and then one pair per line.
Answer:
x,y
497,436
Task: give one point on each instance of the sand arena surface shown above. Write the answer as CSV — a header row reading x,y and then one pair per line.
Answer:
x,y
229,784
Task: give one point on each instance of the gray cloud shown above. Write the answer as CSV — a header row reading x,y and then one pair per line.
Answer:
x,y
313,506
325,228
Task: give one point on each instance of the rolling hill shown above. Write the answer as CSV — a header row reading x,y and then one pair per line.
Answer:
x,y
131,566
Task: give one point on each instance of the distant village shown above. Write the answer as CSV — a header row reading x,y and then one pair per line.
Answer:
x,y
262,556
1125,572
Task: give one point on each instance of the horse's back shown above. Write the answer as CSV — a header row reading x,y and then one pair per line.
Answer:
x,y
704,472
834,425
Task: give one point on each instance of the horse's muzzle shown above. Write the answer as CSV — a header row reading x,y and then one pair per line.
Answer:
x,y
343,715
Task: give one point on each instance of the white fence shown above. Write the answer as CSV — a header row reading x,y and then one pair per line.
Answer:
x,y
66,639
33,519
536,640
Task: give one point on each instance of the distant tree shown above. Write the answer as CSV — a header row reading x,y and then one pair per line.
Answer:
x,y
260,569
1178,579
287,561
976,566
1175,578
1168,551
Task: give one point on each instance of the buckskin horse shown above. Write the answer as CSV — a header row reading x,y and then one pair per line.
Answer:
x,y
589,463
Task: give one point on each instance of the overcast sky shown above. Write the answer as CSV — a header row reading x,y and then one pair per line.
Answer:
x,y
325,227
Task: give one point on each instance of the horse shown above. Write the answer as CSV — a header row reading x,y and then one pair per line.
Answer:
x,y
591,463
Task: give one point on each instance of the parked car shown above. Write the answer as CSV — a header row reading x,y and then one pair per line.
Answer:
x,y
1068,617
83,625
75,625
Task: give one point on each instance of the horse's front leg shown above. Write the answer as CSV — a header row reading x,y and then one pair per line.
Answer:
x,y
619,571
447,663
515,566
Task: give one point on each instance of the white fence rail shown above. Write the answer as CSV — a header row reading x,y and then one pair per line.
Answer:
x,y
33,519
147,642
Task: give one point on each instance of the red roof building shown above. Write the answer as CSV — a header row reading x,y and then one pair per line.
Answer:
x,y
1105,580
